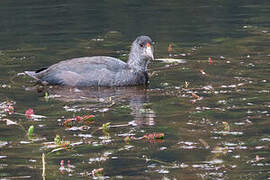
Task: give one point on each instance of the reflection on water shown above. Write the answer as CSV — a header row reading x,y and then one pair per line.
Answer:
x,y
102,99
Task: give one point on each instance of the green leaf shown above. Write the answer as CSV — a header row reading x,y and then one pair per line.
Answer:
x,y
30,130
105,128
57,139
46,96
127,140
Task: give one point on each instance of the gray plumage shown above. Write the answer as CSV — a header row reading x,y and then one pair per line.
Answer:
x,y
101,70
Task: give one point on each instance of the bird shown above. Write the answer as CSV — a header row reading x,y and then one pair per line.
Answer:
x,y
101,70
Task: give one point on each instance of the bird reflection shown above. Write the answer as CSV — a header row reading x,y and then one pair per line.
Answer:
x,y
102,99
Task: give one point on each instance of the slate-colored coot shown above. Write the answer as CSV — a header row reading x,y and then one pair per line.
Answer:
x,y
101,70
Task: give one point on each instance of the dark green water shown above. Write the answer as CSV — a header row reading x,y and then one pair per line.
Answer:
x,y
215,128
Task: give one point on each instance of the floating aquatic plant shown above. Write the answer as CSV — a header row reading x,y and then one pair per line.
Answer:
x,y
105,128
30,131
150,137
29,113
86,119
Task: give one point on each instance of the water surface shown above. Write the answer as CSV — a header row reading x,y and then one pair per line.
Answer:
x,y
214,115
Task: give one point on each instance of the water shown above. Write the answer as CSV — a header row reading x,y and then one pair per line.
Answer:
x,y
214,116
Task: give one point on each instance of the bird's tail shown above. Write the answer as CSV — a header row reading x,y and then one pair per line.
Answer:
x,y
32,74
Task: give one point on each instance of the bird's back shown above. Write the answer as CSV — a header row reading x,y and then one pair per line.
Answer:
x,y
90,71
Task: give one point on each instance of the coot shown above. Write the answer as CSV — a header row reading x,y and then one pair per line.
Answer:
x,y
101,70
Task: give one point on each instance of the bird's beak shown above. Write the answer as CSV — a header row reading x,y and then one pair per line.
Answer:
x,y
149,51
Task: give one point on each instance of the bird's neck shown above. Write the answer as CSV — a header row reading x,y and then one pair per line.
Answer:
x,y
136,62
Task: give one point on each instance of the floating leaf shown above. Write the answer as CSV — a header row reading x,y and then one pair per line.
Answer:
x,y
9,109
46,96
226,126
127,140
203,73
57,139
154,136
66,145
30,131
170,48
97,172
258,158
105,128
68,123
210,60
205,144
195,96
186,84
85,118
61,144
29,113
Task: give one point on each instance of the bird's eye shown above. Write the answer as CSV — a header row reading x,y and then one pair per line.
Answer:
x,y
141,45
